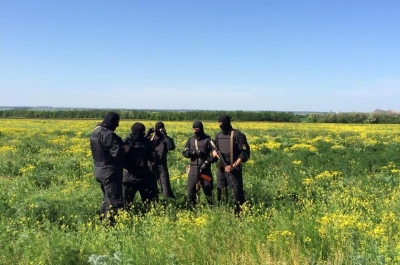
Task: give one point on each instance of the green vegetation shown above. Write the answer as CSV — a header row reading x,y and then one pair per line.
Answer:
x,y
317,194
186,115
159,115
355,117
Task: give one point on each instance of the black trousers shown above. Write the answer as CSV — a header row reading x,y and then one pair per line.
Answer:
x,y
163,176
110,179
145,187
233,180
207,186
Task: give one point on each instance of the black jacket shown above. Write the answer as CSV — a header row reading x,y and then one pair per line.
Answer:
x,y
162,145
241,148
204,147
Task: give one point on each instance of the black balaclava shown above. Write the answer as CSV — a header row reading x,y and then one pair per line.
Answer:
x,y
226,126
158,126
138,130
198,124
111,120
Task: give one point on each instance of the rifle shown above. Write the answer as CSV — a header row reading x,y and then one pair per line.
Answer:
x,y
198,183
223,161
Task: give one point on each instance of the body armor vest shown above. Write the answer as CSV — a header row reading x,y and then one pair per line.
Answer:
x,y
201,145
224,145
161,150
101,155
137,158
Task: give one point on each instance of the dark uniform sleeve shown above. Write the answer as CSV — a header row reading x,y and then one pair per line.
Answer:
x,y
186,151
211,159
114,144
150,150
244,147
170,143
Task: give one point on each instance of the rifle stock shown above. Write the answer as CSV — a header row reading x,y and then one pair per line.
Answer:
x,y
205,177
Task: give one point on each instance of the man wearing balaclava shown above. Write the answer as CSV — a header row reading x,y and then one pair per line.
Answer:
x,y
108,152
138,175
198,149
235,151
162,144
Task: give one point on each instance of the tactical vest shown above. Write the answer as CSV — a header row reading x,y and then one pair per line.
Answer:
x,y
224,145
101,155
137,157
161,150
201,145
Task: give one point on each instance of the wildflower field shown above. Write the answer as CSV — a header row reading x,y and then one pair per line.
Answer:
x,y
316,194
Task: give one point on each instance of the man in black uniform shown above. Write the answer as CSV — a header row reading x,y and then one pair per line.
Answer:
x,y
235,149
162,144
108,153
198,149
138,175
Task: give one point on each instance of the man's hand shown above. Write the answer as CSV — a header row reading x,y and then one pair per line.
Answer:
x,y
149,131
215,154
232,167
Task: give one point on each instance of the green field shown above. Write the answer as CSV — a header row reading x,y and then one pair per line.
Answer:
x,y
316,194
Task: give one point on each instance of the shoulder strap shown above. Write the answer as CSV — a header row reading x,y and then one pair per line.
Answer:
x,y
231,145
195,144
96,128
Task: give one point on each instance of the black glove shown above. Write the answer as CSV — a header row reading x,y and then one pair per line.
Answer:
x,y
198,153
204,167
202,154
194,153
149,131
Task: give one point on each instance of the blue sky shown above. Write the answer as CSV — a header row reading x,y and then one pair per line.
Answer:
x,y
269,55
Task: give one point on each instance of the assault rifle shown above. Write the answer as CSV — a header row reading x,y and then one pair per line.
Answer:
x,y
223,161
220,155
198,183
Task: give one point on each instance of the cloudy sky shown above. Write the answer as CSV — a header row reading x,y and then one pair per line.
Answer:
x,y
269,55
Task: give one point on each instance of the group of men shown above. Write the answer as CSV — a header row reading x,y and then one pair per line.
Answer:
x,y
139,163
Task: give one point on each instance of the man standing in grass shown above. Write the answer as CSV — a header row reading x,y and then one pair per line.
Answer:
x,y
108,153
198,149
162,144
235,151
138,175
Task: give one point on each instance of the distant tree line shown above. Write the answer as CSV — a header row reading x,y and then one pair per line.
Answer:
x,y
161,115
175,115
355,117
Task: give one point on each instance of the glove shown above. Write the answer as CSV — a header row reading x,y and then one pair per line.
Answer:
x,y
204,167
198,153
149,131
202,154
194,153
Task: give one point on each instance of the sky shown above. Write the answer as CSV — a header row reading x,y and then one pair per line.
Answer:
x,y
269,55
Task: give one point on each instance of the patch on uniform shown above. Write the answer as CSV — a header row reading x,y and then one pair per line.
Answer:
x,y
244,147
